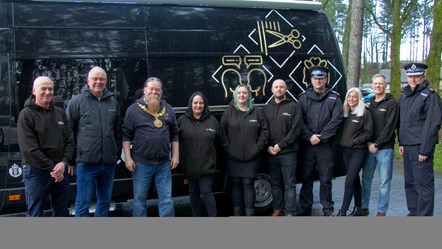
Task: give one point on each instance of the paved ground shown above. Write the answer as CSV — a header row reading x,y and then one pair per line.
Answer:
x,y
397,205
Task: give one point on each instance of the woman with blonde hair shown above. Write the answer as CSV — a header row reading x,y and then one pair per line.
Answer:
x,y
356,132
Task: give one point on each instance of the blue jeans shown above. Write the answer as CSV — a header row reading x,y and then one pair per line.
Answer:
x,y
41,189
98,179
383,159
282,169
142,177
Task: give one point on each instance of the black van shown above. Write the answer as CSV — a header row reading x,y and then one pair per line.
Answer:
x,y
209,46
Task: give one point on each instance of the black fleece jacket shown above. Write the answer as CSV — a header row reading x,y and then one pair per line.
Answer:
x,y
198,142
284,120
44,136
385,115
356,131
244,136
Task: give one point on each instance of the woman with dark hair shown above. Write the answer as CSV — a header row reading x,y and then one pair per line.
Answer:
x,y
199,135
356,132
245,134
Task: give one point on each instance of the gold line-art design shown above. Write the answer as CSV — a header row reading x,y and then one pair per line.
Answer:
x,y
264,38
232,60
249,60
226,93
292,38
252,60
256,90
260,37
313,61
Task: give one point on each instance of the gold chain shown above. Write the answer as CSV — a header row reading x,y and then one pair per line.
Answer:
x,y
157,123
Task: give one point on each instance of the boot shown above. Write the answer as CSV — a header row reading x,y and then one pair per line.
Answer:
x,y
342,213
237,211
357,211
250,211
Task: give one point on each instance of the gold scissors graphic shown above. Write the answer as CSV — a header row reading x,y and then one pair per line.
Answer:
x,y
291,38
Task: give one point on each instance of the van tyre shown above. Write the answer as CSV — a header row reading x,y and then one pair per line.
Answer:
x,y
263,194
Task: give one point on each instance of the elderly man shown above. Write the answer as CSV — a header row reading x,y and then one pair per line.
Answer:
x,y
47,144
420,119
322,113
151,126
284,120
94,116
384,111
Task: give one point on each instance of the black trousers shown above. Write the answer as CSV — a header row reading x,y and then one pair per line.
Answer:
x,y
354,160
320,157
419,182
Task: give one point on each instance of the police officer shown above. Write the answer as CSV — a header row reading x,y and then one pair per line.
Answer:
x,y
322,114
419,124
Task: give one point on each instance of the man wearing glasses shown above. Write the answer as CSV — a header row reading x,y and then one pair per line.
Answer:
x,y
94,116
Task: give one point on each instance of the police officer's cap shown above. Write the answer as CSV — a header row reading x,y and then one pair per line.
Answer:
x,y
413,69
318,72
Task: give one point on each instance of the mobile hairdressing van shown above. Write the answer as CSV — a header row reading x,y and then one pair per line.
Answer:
x,y
210,46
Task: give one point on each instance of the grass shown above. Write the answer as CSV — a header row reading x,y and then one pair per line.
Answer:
x,y
437,156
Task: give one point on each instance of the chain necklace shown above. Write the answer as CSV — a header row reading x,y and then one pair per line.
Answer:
x,y
157,123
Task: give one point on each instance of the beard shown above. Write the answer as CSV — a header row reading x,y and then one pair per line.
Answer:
x,y
153,103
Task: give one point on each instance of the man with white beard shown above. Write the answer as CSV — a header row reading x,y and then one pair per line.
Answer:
x,y
151,127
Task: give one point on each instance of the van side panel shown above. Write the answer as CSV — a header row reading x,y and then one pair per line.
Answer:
x,y
191,49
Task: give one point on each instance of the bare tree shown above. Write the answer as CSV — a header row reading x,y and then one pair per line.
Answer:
x,y
434,58
355,48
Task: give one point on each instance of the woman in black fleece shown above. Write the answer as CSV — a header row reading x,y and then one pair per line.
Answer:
x,y
356,132
245,134
199,135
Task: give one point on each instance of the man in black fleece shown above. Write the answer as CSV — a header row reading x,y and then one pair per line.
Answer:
x,y
284,120
384,111
47,144
322,114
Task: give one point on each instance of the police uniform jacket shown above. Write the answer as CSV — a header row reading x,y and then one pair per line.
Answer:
x,y
322,114
420,117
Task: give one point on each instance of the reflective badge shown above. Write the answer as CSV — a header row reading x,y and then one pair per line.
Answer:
x,y
15,171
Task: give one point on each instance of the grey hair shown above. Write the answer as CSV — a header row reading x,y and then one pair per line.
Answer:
x,y
39,80
360,108
378,75
150,79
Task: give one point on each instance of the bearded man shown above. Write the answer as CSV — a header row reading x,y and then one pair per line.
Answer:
x,y
150,125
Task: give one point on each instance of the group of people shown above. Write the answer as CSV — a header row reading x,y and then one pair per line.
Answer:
x,y
86,139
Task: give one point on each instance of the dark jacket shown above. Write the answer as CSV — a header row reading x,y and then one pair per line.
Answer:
x,y
96,124
284,120
150,145
322,114
385,115
244,136
44,136
420,117
198,143
357,131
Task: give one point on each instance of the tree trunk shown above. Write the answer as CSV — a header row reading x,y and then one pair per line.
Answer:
x,y
395,75
434,57
355,48
346,38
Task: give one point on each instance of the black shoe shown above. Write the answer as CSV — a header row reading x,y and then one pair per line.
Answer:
x,y
304,213
328,213
341,213
357,211
365,212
